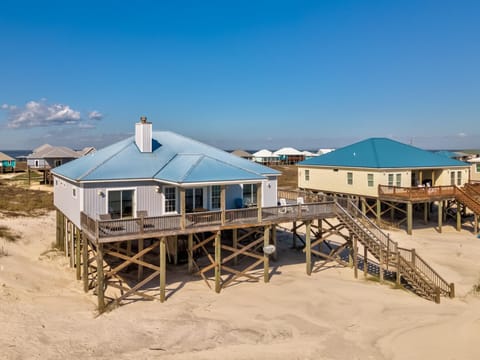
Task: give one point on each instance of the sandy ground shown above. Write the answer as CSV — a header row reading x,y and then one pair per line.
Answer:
x,y
44,314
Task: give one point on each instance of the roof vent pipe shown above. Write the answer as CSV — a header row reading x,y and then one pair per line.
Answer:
x,y
143,135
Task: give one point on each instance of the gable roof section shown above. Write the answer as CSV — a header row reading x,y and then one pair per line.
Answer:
x,y
48,151
382,153
4,157
174,158
288,151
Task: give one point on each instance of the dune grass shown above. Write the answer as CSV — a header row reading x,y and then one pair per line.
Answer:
x,y
20,201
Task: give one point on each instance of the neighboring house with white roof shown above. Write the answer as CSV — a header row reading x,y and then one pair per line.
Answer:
x,y
289,155
265,157
160,173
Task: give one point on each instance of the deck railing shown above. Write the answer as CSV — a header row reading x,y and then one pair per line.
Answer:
x,y
415,193
206,219
421,265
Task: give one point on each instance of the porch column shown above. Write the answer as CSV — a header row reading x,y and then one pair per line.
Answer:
x,y
222,202
182,208
259,201
190,253
77,253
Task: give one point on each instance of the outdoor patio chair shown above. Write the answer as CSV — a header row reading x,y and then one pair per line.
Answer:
x,y
110,227
284,206
301,202
147,223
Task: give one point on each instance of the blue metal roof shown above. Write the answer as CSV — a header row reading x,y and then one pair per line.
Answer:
x,y
174,158
382,153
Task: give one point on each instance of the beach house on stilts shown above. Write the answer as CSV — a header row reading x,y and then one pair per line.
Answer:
x,y
126,210
393,180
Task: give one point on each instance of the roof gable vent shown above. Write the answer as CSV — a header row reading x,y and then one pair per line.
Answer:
x,y
143,135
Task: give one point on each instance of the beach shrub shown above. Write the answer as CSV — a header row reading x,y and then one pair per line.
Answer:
x,y
7,234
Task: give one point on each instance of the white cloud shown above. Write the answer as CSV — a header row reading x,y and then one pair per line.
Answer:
x,y
42,114
95,115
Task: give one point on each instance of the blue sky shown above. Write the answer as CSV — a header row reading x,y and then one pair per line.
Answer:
x,y
241,74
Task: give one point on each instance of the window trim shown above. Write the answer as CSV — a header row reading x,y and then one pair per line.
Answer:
x,y
370,180
165,199
219,197
307,174
349,178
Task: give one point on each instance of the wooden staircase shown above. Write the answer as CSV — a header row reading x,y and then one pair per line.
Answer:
x,y
469,196
411,268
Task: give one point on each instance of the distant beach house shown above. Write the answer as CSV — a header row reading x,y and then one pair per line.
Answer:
x,y
47,157
159,174
7,163
289,155
385,172
265,157
243,154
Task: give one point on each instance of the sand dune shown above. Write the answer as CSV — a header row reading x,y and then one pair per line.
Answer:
x,y
44,314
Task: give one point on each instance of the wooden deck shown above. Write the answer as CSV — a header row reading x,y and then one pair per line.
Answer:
x,y
105,231
416,194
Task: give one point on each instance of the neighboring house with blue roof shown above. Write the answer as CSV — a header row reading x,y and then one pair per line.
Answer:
x,y
360,168
162,173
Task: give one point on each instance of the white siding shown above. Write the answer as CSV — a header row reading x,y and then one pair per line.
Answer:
x,y
269,192
65,201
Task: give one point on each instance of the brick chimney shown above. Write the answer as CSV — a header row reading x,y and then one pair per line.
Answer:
x,y
143,135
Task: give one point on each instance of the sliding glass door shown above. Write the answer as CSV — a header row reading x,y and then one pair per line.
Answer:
x,y
120,203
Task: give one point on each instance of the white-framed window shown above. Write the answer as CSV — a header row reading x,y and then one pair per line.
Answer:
x,y
170,194
74,192
307,175
452,178
215,197
249,194
36,163
459,178
57,163
350,178
398,180
477,168
370,180
390,179
120,203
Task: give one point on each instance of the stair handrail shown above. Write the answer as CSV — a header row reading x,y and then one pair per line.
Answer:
x,y
420,265
430,277
472,188
381,237
461,192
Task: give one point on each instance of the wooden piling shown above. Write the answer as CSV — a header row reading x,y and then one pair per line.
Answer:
x,y
218,261
100,279
308,248
85,262
163,268
266,264
190,253
77,253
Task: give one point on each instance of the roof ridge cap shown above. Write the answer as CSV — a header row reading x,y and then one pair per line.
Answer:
x,y
200,158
